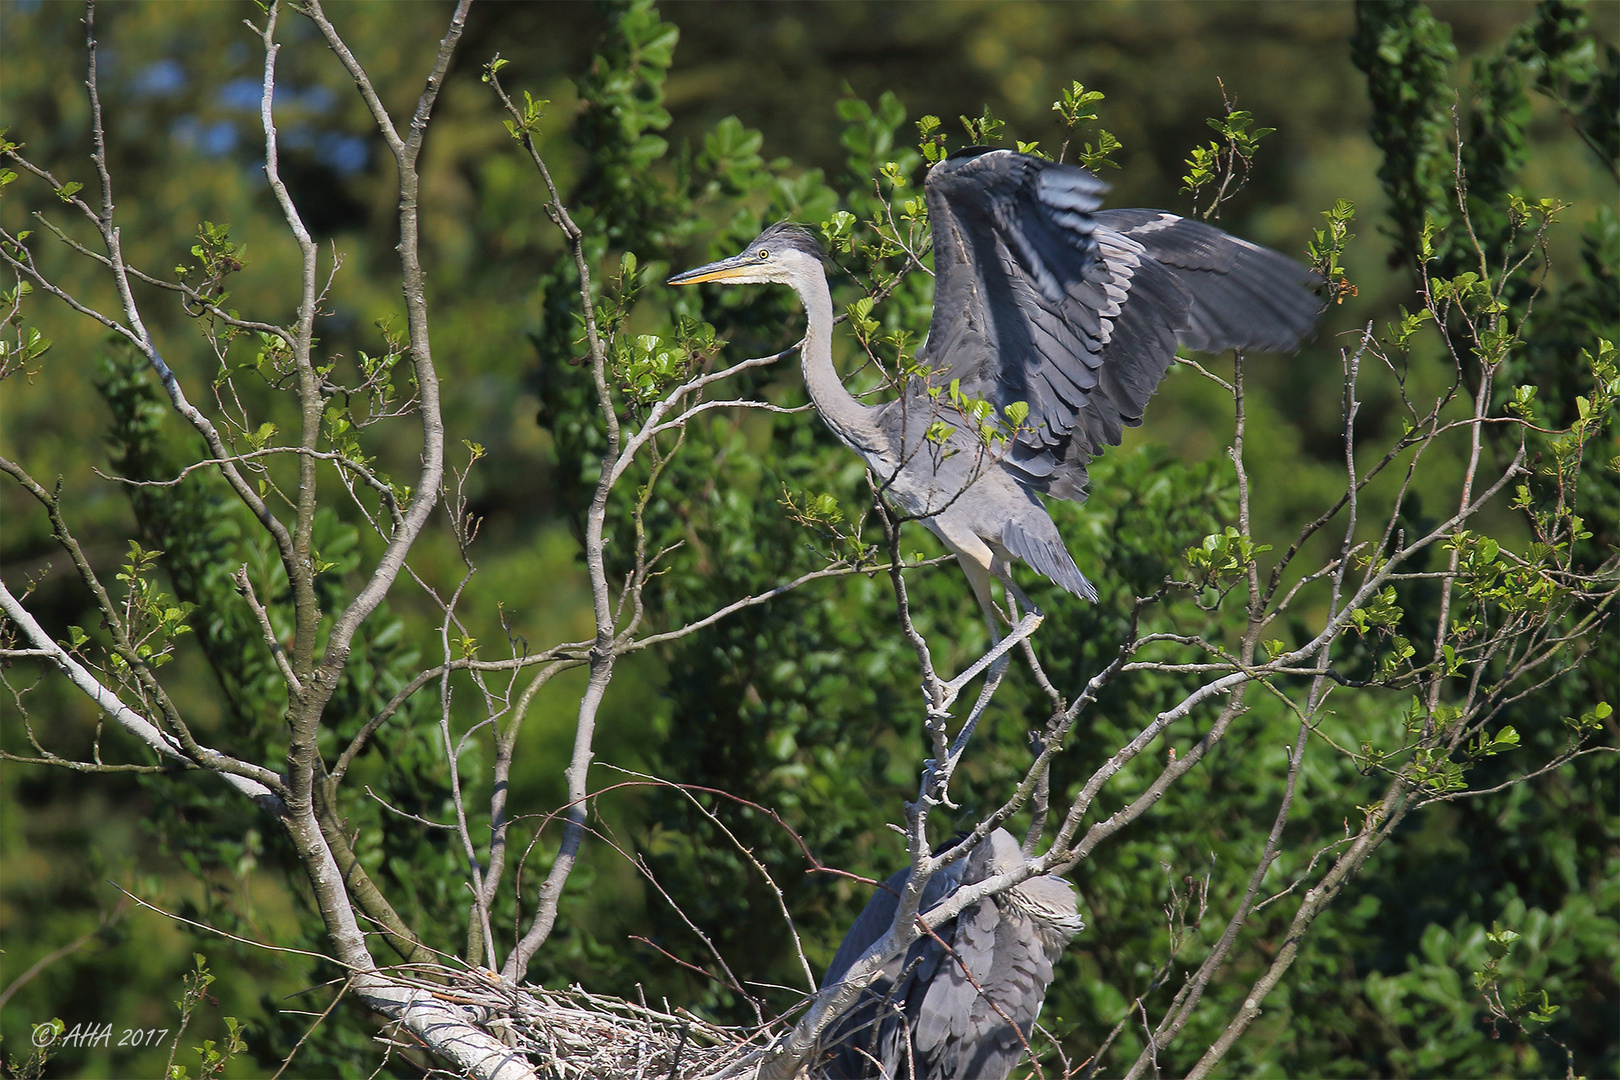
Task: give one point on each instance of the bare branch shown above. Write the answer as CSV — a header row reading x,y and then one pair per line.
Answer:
x,y
257,783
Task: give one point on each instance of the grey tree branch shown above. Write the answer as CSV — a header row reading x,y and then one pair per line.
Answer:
x,y
1316,901
256,783
431,475
300,572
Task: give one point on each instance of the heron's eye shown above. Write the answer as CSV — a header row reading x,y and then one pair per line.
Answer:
x,y
764,253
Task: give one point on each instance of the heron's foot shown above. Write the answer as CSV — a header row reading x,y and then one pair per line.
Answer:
x,y
939,780
942,778
1014,617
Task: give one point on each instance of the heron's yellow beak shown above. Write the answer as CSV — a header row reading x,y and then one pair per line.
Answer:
x,y
732,269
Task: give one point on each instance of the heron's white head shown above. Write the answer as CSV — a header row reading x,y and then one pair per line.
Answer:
x,y
784,254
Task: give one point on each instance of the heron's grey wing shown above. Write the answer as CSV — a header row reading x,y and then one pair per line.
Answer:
x,y
1042,298
874,1028
852,1040
878,915
955,1032
1241,295
981,1004
975,1017
1184,283
869,926
1013,236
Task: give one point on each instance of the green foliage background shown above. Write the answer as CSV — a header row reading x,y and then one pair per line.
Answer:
x,y
806,706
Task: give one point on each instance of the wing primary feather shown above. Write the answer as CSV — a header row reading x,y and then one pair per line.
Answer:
x,y
1048,556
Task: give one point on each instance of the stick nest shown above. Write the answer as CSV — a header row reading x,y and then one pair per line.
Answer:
x,y
573,1034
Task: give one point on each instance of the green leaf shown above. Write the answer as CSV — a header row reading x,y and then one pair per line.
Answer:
x,y
1097,157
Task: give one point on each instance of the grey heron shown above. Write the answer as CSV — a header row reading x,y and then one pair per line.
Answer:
x,y
1040,298
963,1013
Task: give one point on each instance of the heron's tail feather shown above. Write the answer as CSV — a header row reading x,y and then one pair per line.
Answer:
x,y
1048,555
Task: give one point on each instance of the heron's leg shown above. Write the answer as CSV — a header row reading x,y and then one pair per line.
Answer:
x,y
1021,628
977,560
1016,598
980,563
979,577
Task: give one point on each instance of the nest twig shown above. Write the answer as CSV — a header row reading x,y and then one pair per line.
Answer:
x,y
573,1034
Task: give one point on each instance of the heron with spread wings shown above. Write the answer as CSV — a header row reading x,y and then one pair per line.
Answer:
x,y
1040,298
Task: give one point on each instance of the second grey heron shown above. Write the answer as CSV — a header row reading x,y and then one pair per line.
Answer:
x,y
960,1006
1040,298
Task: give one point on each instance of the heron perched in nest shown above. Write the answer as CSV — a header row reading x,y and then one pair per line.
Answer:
x,y
1040,298
959,1005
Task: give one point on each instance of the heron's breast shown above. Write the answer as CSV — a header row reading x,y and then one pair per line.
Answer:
x,y
911,493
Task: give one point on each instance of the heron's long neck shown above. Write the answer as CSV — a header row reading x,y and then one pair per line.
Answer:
x,y
850,420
